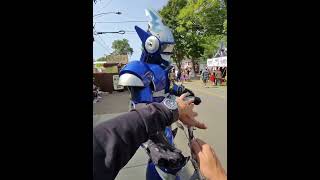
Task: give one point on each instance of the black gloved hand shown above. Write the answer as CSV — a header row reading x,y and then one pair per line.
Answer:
x,y
164,154
188,91
197,100
182,90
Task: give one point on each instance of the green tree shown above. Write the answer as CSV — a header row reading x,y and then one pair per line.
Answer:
x,y
198,27
121,47
206,21
169,14
225,28
211,44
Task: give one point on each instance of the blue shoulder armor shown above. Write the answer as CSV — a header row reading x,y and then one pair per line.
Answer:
x,y
135,73
137,76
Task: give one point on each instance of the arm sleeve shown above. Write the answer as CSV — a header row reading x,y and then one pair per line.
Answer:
x,y
115,141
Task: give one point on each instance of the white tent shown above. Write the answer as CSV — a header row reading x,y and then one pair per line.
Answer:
x,y
220,58
217,62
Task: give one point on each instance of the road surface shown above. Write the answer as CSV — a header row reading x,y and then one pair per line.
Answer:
x,y
212,111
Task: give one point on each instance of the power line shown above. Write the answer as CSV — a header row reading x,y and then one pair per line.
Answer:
x,y
104,43
101,14
103,46
104,6
118,21
113,32
131,17
101,41
131,33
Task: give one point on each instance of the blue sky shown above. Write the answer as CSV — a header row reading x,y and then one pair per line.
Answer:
x,y
131,10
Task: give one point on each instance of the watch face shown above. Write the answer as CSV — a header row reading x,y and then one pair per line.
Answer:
x,y
170,103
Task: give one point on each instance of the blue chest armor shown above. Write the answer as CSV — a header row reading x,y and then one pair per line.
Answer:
x,y
148,78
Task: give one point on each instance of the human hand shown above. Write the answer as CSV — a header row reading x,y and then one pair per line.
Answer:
x,y
186,113
210,165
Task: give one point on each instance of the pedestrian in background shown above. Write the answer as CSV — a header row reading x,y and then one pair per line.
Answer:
x,y
205,76
179,75
182,78
218,77
176,74
188,71
190,74
171,75
186,75
226,78
215,75
224,73
212,78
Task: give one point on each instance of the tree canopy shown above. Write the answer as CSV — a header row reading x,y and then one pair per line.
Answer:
x,y
121,47
101,59
198,27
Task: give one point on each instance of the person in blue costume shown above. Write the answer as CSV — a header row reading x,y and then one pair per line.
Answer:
x,y
148,81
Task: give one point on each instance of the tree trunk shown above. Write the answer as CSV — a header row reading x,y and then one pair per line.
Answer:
x,y
193,65
179,65
178,61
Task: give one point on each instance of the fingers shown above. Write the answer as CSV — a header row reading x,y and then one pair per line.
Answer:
x,y
198,145
195,114
205,147
200,142
199,124
191,105
184,95
190,101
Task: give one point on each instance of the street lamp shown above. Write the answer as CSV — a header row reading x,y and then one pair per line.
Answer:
x,y
107,13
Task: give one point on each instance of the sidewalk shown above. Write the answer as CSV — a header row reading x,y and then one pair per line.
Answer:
x,y
116,102
201,84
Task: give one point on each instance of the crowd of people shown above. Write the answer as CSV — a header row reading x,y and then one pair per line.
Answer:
x,y
215,75
182,76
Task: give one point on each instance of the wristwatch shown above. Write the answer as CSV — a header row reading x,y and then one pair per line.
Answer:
x,y
172,105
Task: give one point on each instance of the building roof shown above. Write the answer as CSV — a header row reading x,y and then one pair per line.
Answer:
x,y
123,59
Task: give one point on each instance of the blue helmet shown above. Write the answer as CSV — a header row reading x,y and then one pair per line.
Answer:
x,y
158,40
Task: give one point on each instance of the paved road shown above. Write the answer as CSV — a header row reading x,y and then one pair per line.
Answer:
x,y
116,102
212,111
